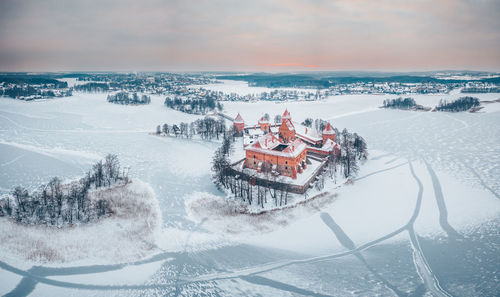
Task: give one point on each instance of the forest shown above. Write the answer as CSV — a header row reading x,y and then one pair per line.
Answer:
x,y
92,87
129,99
61,205
461,104
194,106
26,91
400,103
30,79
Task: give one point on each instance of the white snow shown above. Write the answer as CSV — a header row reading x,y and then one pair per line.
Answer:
x,y
61,137
241,88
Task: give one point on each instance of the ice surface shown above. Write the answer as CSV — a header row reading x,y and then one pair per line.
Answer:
x,y
455,157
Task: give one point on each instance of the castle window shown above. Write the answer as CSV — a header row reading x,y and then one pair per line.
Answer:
x,y
254,156
286,162
286,167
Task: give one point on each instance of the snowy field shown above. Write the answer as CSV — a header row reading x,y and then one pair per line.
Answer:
x,y
241,88
421,218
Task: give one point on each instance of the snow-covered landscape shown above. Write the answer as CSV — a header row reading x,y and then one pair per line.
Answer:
x,y
420,218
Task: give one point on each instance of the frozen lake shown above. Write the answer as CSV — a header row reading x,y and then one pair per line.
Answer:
x,y
422,218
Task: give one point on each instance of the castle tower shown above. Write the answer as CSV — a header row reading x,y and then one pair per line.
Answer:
x,y
287,129
286,116
264,124
239,124
328,133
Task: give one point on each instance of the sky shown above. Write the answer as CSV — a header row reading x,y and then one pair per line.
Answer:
x,y
256,35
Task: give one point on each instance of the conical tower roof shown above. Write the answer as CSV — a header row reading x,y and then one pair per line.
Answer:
x,y
328,130
286,115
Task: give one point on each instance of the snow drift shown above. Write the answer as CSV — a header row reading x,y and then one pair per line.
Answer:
x,y
228,216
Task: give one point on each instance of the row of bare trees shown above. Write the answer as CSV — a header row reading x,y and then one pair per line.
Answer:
x,y
207,128
58,204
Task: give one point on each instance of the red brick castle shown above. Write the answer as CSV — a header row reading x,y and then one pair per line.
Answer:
x,y
284,148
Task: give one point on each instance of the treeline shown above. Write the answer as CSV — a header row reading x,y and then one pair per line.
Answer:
x,y
400,103
27,79
92,87
57,204
207,128
245,186
30,92
126,99
326,81
481,90
461,104
193,106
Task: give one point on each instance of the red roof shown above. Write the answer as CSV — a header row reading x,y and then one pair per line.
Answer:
x,y
286,114
263,120
238,119
288,124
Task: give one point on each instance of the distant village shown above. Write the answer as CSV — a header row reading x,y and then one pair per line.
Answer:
x,y
189,87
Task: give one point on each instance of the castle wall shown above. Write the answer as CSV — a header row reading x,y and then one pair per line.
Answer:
x,y
284,165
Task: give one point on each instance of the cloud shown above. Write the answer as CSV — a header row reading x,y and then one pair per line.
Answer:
x,y
249,35
290,65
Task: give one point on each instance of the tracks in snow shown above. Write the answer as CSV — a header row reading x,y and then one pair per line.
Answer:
x,y
39,274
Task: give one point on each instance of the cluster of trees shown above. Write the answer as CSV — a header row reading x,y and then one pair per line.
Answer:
x,y
353,148
461,104
57,204
400,103
92,87
207,128
17,91
318,124
126,98
194,106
